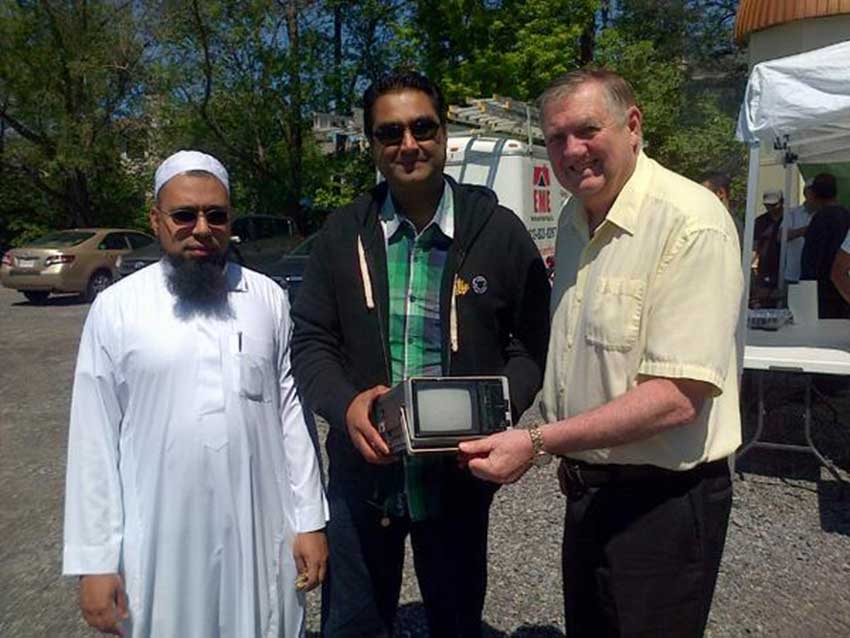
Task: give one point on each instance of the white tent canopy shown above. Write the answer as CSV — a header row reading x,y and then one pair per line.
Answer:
x,y
803,101
799,107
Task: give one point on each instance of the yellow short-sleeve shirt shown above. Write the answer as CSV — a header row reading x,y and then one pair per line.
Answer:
x,y
656,292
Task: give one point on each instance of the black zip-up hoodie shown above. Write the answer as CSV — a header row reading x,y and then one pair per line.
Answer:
x,y
340,343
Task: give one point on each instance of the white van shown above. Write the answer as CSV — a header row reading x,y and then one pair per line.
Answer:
x,y
523,181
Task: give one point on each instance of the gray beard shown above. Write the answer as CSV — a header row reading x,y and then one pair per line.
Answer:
x,y
200,285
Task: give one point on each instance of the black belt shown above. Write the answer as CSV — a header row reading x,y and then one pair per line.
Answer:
x,y
574,474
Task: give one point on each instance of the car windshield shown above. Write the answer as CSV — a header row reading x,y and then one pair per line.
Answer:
x,y
62,238
304,247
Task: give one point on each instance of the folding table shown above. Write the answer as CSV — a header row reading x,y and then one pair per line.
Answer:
x,y
820,347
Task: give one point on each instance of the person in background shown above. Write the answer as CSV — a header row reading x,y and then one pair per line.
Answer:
x,y
766,248
824,237
193,502
840,273
720,184
797,221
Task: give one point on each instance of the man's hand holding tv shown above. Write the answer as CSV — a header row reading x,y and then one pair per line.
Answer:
x,y
500,458
362,431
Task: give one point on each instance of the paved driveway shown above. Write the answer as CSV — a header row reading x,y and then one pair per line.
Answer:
x,y
786,572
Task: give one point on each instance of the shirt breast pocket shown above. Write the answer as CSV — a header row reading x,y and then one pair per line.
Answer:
x,y
253,372
616,305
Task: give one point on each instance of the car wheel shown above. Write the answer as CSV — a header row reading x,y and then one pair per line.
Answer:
x,y
98,282
36,297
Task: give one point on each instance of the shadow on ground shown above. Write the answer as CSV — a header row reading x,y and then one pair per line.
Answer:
x,y
784,421
54,300
411,623
834,507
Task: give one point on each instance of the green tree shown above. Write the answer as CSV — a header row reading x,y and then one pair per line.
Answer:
x,y
224,77
689,77
242,79
69,86
512,48
344,178
94,93
657,81
23,213
679,55
368,39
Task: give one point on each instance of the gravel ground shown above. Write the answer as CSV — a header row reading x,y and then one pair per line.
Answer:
x,y
786,571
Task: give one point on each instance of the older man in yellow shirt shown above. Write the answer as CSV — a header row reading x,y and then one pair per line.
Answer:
x,y
641,388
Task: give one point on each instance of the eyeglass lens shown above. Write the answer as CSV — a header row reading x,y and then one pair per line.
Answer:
x,y
214,216
422,130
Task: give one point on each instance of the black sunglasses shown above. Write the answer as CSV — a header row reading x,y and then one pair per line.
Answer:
x,y
189,216
422,129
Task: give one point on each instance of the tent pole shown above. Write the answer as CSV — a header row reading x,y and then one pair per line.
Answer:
x,y
747,248
790,202
746,264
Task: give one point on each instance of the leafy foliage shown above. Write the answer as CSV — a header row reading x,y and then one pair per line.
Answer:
x,y
657,82
71,77
688,77
347,176
94,94
512,48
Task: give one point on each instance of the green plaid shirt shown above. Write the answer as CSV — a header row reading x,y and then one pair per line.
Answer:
x,y
415,264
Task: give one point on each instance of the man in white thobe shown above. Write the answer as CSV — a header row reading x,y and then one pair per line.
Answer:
x,y
193,498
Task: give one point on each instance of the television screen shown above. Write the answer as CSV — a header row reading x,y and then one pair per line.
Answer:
x,y
444,410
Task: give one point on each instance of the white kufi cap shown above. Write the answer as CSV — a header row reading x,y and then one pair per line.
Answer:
x,y
185,161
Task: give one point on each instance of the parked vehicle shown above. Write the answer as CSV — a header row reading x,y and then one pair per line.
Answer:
x,y
521,176
138,259
288,271
152,253
262,239
81,260
257,242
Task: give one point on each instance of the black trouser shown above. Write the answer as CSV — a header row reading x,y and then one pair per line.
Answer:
x,y
640,557
831,305
360,595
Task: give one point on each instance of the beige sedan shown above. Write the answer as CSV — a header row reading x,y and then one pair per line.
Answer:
x,y
81,260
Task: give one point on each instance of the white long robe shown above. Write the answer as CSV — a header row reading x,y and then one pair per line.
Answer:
x,y
190,467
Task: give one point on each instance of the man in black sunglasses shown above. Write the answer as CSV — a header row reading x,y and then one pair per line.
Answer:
x,y
420,276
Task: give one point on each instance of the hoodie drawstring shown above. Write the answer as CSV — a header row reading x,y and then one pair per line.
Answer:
x,y
364,275
453,335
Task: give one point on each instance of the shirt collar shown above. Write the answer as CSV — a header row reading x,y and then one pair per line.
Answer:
x,y
444,216
235,279
624,211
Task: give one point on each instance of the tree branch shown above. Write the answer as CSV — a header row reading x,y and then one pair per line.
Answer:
x,y
36,179
26,132
56,32
208,79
